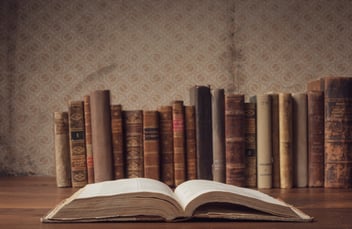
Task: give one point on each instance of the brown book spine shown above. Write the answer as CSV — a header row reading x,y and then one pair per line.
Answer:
x,y
88,135
264,142
218,127
300,140
200,97
275,138
338,132
234,139
315,138
191,147
101,135
62,149
179,141
117,141
166,145
250,133
77,144
151,141
285,133
133,138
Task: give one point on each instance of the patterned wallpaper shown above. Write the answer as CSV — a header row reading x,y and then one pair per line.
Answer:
x,y
150,52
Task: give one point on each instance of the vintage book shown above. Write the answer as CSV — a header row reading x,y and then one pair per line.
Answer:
x,y
338,132
275,140
234,139
101,135
250,136
62,150
314,85
77,144
151,143
315,139
218,127
144,199
264,143
178,125
117,141
300,139
88,135
285,140
200,97
133,138
166,145
191,147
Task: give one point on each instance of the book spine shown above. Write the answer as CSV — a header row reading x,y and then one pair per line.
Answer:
x,y
62,149
250,135
300,140
264,141
285,144
151,142
88,135
234,139
315,138
101,135
200,97
179,141
191,148
166,145
77,144
133,138
117,141
275,136
338,132
218,127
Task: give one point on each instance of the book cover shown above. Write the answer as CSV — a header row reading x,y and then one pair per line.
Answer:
x,y
191,147
234,139
88,138
275,136
77,144
200,97
250,136
117,141
62,149
101,135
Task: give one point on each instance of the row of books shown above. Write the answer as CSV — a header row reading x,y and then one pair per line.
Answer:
x,y
279,140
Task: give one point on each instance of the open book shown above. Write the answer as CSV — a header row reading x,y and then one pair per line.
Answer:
x,y
137,199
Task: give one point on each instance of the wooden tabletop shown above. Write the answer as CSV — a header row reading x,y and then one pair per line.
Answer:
x,y
24,200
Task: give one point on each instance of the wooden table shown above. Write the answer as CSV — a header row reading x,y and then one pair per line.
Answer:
x,y
23,200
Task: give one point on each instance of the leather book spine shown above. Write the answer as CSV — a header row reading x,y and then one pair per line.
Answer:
x,y
88,135
250,134
101,135
77,144
117,141
62,150
191,147
151,142
275,136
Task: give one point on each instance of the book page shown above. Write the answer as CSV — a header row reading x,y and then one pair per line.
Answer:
x,y
191,189
125,186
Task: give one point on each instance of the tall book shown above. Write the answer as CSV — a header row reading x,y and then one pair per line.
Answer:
x,y
218,130
101,135
151,142
234,140
300,139
117,141
264,143
285,140
191,147
77,144
275,136
62,150
200,97
338,132
166,145
133,138
250,136
88,135
315,138
178,121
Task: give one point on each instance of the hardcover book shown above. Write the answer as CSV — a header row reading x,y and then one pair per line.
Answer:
x,y
88,135
117,141
191,147
250,136
144,199
275,140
